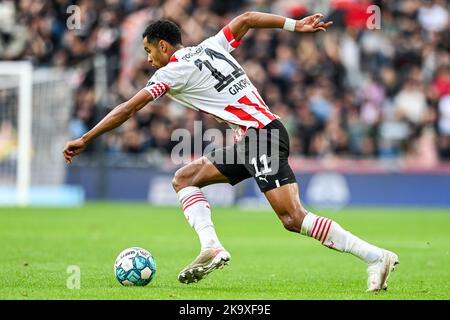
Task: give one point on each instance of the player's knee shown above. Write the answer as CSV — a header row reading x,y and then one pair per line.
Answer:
x,y
181,179
293,221
291,224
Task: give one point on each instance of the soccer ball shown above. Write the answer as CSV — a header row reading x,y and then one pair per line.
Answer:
x,y
135,267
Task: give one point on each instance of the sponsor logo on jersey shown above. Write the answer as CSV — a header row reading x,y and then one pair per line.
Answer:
x,y
189,55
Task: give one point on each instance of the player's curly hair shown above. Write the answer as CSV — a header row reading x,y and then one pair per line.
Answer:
x,y
163,30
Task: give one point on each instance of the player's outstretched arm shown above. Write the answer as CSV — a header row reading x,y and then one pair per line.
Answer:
x,y
240,25
115,118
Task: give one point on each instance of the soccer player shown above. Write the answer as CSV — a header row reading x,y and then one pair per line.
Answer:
x,y
207,78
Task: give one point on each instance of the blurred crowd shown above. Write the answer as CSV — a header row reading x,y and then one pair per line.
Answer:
x,y
372,86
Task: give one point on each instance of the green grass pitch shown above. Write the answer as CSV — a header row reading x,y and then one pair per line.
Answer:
x,y
37,245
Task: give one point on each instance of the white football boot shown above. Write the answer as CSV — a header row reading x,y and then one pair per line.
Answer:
x,y
380,270
206,262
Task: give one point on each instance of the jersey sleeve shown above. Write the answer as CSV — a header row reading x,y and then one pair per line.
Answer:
x,y
167,79
225,39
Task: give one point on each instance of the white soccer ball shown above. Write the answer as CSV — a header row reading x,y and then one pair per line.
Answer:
x,y
135,267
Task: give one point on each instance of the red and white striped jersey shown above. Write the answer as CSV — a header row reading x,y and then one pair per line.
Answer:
x,y
207,78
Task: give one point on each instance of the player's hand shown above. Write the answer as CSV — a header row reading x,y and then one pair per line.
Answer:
x,y
73,148
312,24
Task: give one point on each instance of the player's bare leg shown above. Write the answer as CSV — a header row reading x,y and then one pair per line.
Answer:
x,y
286,203
187,183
